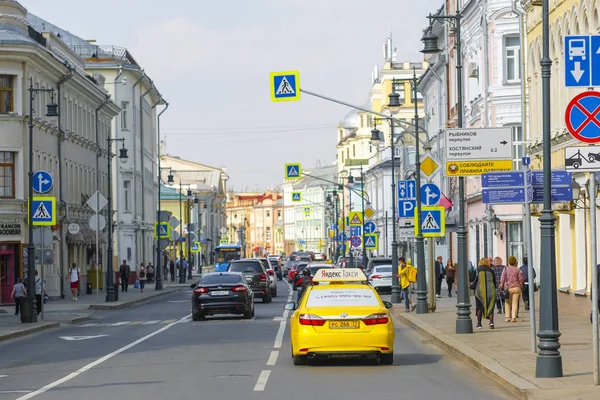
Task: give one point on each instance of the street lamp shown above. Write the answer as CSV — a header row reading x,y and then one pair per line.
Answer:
x,y
464,324
189,235
111,294
158,270
170,181
28,315
365,259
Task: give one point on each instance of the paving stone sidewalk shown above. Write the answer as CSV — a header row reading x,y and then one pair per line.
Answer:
x,y
504,354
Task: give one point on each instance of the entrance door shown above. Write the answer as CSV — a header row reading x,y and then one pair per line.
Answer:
x,y
7,275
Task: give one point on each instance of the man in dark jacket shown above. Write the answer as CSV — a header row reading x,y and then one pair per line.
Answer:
x,y
306,281
525,271
124,272
439,276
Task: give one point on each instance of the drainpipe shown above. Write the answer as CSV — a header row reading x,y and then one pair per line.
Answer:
x,y
142,166
117,181
61,193
134,221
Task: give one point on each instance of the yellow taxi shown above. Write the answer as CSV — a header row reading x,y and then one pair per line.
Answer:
x,y
341,315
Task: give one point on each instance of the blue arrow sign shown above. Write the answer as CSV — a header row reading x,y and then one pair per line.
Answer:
x,y
356,231
370,227
42,182
578,60
407,190
406,208
430,194
342,237
506,195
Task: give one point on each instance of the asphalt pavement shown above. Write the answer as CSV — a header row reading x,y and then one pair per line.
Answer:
x,y
155,351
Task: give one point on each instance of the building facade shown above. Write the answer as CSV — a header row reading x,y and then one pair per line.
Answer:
x,y
69,147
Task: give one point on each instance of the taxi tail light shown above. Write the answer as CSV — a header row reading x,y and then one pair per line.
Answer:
x,y
200,290
311,319
376,319
263,277
239,289
376,277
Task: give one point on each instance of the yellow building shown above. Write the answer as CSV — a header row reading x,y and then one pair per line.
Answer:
x,y
177,205
573,249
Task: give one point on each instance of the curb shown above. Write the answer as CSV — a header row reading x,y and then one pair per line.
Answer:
x,y
491,368
131,303
77,320
29,331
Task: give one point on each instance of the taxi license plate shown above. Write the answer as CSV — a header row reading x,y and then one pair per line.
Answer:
x,y
344,324
220,293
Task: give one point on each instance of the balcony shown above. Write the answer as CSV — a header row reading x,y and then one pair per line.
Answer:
x,y
94,53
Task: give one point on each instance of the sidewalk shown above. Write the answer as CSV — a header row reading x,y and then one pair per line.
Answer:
x,y
68,311
504,354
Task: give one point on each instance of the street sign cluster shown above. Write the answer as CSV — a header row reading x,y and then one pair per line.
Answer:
x,y
524,187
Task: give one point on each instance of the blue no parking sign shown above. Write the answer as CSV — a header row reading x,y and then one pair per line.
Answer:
x,y
582,117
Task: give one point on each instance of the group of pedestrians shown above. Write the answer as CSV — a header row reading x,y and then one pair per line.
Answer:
x,y
19,293
143,274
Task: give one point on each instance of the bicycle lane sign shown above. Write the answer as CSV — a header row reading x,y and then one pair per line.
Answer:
x,y
583,117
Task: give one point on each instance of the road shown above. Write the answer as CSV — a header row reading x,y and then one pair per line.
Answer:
x,y
154,351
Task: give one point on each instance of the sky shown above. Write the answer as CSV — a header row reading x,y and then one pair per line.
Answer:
x,y
211,61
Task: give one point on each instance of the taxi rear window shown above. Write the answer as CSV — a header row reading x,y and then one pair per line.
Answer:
x,y
342,297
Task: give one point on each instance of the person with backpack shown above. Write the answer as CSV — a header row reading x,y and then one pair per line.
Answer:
x,y
141,277
405,284
449,272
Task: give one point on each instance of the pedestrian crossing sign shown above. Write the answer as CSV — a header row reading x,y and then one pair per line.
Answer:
x,y
195,247
285,86
355,218
296,197
307,212
432,222
371,241
293,171
43,211
162,230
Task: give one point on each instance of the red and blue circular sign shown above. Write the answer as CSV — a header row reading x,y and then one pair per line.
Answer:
x,y
583,117
356,241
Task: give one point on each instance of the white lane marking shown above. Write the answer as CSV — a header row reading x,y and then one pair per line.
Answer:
x,y
278,319
14,391
151,322
3,376
279,337
177,301
273,357
87,325
120,323
71,338
97,362
260,383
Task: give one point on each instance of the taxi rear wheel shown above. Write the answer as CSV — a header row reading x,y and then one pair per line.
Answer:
x,y
387,359
299,360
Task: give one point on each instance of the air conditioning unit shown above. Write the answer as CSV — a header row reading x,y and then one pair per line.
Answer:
x,y
473,70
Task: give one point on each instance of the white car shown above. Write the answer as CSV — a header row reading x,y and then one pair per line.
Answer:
x,y
381,278
271,275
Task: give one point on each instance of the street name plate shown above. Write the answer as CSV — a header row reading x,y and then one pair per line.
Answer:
x,y
479,144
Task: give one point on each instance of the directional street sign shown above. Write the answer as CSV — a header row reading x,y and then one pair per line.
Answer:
x,y
371,242
293,171
582,159
285,86
356,241
370,227
355,218
296,197
355,230
561,189
432,223
581,117
577,61
430,194
407,198
505,179
162,230
479,144
195,247
506,187
507,195
430,165
42,182
44,211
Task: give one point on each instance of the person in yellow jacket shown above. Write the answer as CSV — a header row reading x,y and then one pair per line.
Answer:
x,y
404,284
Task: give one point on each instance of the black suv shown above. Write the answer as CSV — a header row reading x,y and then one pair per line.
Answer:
x,y
256,275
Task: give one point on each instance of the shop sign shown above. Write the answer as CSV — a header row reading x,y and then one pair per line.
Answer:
x,y
10,227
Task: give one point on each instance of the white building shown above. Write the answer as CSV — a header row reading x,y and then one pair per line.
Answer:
x,y
72,148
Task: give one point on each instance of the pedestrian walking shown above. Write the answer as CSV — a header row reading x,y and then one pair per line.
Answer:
x,y
150,273
497,267
18,293
38,292
439,276
141,277
525,271
450,271
124,272
512,280
75,274
172,270
405,284
484,284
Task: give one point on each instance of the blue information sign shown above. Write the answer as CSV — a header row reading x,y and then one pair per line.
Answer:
x,y
356,231
578,60
558,194
506,195
505,179
342,237
430,194
42,182
558,178
370,227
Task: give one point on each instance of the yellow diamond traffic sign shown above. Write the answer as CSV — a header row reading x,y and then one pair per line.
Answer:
x,y
369,212
429,165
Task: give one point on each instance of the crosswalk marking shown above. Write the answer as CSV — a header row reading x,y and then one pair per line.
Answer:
x,y
151,322
168,321
121,323
136,323
88,325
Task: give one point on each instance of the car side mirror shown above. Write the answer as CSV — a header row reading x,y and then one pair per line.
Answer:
x,y
388,305
193,286
291,306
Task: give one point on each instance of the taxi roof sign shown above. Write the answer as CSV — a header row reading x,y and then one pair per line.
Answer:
x,y
339,275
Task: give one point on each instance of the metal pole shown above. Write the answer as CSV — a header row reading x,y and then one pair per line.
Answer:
x,y
181,270
42,272
365,260
350,252
158,270
593,192
549,360
422,306
27,309
387,232
189,249
464,324
395,281
110,274
530,273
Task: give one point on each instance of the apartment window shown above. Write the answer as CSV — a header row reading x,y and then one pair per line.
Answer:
x,y
519,146
399,86
268,214
514,242
127,195
353,150
278,214
7,175
124,112
268,233
512,57
6,94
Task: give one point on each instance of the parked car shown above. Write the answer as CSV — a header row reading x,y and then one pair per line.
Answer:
x,y
222,293
376,261
256,274
271,275
381,278
320,257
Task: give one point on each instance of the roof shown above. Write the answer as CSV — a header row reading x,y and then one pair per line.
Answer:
x,y
169,193
12,37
